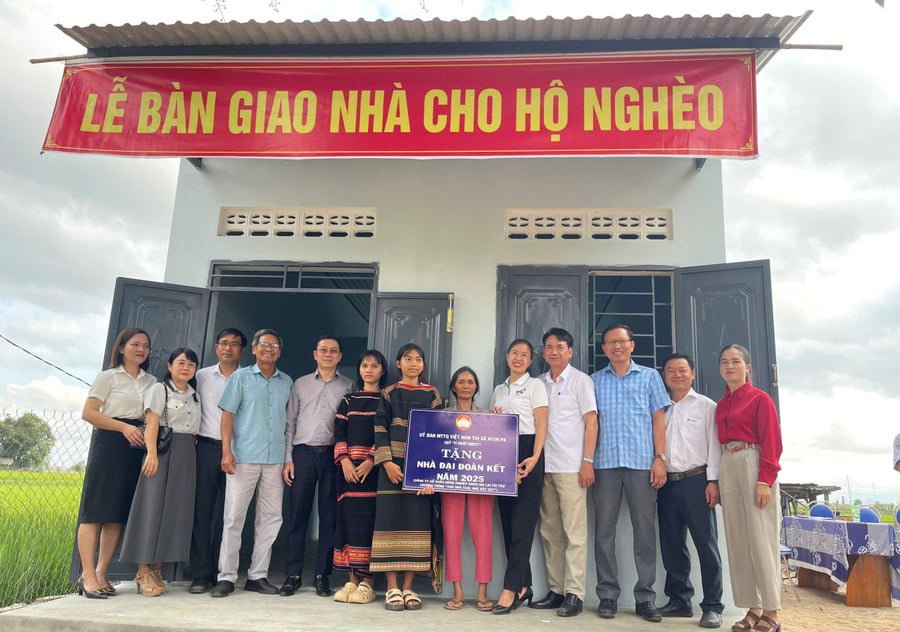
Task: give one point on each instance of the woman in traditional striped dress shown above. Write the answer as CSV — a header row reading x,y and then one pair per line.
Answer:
x,y
354,453
403,519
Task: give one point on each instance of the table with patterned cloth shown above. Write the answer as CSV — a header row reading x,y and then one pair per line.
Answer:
x,y
863,556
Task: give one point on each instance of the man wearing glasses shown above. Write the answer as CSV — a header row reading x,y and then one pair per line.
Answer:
x,y
309,463
629,461
254,408
211,383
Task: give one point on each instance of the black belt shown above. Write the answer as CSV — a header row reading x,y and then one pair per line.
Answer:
x,y
318,449
209,440
678,476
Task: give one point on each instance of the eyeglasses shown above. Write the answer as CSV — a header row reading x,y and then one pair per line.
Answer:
x,y
616,343
269,345
229,343
323,351
558,348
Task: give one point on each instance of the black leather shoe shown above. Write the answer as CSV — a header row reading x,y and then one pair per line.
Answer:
x,y
550,601
290,585
676,609
322,585
199,586
571,606
260,585
711,619
607,609
89,594
222,589
647,610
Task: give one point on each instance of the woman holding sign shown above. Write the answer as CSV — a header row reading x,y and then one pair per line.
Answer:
x,y
527,397
464,386
401,543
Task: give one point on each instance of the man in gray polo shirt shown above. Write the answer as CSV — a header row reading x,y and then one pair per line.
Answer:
x,y
309,463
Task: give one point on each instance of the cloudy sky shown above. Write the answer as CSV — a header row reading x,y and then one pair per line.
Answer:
x,y
822,203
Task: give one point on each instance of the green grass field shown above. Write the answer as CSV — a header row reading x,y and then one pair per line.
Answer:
x,y
38,512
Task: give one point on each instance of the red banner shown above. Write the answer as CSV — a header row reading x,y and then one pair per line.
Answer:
x,y
691,104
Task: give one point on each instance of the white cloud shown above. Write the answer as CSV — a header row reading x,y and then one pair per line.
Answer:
x,y
47,394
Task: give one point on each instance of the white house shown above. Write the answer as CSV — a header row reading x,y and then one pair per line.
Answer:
x,y
462,254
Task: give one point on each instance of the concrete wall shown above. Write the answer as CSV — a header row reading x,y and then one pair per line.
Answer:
x,y
440,222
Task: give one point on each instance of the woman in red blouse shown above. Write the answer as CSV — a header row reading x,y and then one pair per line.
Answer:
x,y
751,436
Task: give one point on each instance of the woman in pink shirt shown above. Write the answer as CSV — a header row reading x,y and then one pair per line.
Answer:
x,y
751,435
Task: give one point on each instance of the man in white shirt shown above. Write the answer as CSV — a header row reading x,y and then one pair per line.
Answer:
x,y
687,501
211,383
568,472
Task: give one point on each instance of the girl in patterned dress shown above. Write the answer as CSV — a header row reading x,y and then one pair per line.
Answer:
x,y
403,519
354,453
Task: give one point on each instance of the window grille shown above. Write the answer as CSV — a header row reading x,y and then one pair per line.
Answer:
x,y
354,223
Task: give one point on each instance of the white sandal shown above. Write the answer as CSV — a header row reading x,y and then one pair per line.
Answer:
x,y
393,600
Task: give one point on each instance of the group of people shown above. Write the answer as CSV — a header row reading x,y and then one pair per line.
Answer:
x,y
623,431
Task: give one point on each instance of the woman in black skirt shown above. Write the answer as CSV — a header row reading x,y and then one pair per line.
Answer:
x,y
162,512
115,407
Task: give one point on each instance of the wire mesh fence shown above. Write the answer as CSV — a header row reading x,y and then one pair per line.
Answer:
x,y
42,456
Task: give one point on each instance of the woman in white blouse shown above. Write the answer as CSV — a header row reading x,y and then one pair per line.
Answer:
x,y
527,397
162,513
115,407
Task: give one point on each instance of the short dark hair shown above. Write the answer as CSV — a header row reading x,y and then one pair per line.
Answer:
x,y
560,334
191,355
370,353
616,326
679,356
266,332
460,371
231,331
115,357
327,337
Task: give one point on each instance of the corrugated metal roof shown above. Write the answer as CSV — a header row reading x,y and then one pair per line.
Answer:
x,y
624,33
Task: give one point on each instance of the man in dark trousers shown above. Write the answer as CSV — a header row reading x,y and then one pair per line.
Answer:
x,y
309,463
687,501
211,383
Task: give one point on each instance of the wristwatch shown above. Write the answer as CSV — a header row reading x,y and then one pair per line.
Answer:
x,y
661,457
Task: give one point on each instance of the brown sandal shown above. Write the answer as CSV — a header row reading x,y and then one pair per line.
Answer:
x,y
771,625
747,623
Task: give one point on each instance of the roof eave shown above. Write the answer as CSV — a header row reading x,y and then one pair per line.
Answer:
x,y
762,45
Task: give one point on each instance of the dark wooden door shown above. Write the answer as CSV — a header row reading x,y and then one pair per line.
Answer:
x,y
174,316
718,305
422,318
531,300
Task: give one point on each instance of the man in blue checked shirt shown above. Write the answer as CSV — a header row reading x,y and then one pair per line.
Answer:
x,y
630,460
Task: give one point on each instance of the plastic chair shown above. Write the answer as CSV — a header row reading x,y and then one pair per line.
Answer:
x,y
821,510
868,513
788,574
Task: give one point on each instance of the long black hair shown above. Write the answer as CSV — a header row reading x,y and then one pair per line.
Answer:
x,y
411,346
372,353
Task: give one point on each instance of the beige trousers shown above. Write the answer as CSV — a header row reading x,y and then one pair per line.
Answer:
x,y
266,481
752,534
564,533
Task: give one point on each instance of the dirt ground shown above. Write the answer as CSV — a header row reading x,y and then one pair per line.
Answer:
x,y
823,610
